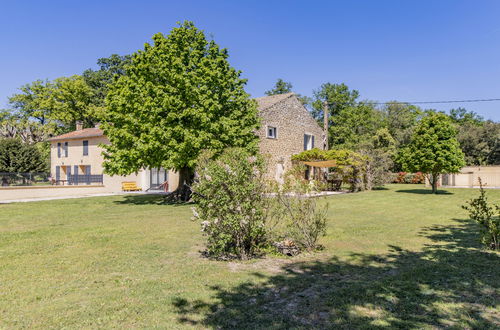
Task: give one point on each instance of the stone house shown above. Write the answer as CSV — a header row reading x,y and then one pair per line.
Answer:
x,y
286,128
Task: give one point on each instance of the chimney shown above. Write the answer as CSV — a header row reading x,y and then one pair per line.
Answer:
x,y
79,125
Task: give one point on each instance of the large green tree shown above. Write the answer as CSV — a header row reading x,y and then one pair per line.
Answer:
x,y
179,96
434,149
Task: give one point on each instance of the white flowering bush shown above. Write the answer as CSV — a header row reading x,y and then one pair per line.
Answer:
x,y
230,203
297,216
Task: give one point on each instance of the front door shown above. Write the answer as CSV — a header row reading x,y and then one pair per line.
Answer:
x,y
157,177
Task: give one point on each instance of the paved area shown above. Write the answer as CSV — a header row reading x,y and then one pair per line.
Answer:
x,y
79,196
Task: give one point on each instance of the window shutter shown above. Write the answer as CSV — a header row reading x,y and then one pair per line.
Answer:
x,y
65,149
58,173
85,148
305,141
59,150
312,142
75,174
87,170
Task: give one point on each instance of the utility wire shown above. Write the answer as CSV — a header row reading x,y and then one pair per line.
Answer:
x,y
418,102
435,102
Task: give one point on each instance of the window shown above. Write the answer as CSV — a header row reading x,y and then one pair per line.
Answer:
x,y
59,150
308,141
85,148
65,149
272,132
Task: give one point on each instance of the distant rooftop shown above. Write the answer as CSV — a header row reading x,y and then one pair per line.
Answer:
x,y
79,134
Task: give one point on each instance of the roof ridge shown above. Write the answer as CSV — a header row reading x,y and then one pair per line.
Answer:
x,y
280,98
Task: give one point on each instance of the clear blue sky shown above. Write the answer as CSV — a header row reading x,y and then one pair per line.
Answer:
x,y
388,50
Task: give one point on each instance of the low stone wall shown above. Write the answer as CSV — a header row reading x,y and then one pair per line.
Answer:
x,y
13,193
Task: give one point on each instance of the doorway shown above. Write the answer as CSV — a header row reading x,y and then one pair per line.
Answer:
x,y
157,177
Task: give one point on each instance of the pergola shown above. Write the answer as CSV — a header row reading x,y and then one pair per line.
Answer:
x,y
320,164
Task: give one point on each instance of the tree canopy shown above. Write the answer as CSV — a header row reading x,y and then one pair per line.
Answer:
x,y
281,87
434,149
19,157
179,96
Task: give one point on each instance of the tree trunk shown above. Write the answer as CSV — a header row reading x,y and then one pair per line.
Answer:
x,y
434,182
183,191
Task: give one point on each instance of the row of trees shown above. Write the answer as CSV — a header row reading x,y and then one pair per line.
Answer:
x,y
385,131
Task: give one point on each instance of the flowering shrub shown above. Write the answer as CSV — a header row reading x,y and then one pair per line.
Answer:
x,y
418,178
405,177
296,216
230,203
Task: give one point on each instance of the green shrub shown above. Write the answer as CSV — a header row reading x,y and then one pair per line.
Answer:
x,y
231,204
296,216
488,217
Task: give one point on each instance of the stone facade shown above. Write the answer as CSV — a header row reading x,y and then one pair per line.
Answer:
x,y
287,128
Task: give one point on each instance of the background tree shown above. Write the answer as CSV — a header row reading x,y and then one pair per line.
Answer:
x,y
179,96
281,87
34,101
337,96
434,149
110,68
18,157
355,125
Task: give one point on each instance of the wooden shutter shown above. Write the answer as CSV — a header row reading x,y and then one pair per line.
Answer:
x,y
305,141
312,142
59,150
65,149
58,173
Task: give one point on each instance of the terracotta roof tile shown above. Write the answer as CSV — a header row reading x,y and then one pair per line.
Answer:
x,y
84,133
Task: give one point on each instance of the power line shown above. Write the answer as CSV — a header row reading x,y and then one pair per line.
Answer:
x,y
440,102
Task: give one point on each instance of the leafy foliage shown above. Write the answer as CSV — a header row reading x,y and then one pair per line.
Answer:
x,y
350,166
179,96
434,149
18,157
231,205
487,216
281,87
296,217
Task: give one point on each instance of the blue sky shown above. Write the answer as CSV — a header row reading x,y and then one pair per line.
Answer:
x,y
388,50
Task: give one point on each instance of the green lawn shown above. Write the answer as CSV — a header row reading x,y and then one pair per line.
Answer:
x,y
395,258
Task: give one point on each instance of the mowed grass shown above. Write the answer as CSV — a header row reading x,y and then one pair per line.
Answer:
x,y
395,258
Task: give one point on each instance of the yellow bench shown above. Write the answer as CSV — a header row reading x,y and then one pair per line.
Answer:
x,y
130,186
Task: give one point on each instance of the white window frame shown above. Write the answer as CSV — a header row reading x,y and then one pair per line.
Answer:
x,y
275,132
310,143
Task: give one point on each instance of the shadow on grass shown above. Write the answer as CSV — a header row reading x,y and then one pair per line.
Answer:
x,y
424,191
150,199
451,283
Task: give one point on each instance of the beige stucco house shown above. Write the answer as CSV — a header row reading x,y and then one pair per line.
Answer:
x,y
77,160
468,177
287,128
